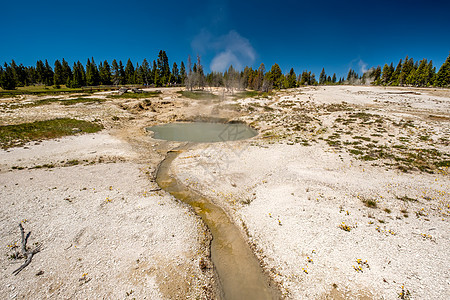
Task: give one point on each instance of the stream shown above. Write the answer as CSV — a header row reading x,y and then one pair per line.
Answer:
x,y
240,275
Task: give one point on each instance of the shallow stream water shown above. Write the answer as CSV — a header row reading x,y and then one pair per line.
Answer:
x,y
202,132
239,272
240,275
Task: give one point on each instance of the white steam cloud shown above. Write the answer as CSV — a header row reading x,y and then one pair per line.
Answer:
x,y
359,65
229,49
362,66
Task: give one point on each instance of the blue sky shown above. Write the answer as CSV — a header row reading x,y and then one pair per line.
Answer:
x,y
309,35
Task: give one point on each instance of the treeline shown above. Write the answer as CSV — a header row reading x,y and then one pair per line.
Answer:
x,y
157,74
406,73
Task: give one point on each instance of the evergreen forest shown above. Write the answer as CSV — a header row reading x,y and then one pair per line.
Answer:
x,y
159,73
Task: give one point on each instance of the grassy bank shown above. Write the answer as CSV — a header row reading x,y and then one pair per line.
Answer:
x,y
18,135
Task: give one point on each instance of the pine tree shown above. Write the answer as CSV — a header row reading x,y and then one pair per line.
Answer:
x,y
183,75
322,77
396,74
40,72
163,67
333,79
121,73
7,78
275,76
48,73
407,67
105,73
58,76
66,71
145,71
78,76
175,73
443,75
115,72
431,74
155,73
129,73
386,76
291,79
421,74
377,75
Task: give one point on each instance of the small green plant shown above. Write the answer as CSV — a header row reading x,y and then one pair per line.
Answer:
x,y
345,227
387,210
370,203
404,294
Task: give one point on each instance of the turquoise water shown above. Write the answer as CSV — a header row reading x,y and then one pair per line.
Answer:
x,y
202,132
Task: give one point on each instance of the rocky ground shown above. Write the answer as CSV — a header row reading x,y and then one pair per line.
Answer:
x,y
344,194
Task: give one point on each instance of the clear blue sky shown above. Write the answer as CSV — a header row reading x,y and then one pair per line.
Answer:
x,y
309,35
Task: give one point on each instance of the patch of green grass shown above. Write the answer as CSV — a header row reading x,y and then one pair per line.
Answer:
x,y
370,203
135,95
18,135
355,152
367,139
72,162
198,95
246,94
81,100
406,198
362,115
50,90
443,163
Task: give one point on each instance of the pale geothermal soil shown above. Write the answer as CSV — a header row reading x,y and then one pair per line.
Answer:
x,y
303,199
104,234
302,192
292,200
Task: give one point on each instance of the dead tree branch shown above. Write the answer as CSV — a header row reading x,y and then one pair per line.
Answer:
x,y
27,254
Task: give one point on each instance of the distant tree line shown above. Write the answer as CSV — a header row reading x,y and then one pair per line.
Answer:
x,y
157,74
406,73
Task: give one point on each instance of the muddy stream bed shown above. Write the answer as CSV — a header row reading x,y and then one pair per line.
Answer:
x,y
239,271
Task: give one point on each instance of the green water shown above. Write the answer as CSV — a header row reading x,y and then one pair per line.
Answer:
x,y
202,132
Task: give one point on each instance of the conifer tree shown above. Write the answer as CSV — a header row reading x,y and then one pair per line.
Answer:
x,y
443,75
66,71
175,73
58,76
333,79
291,79
275,76
48,73
183,75
7,78
386,75
322,77
121,73
396,73
105,73
155,73
40,72
129,73
145,72
115,72
163,67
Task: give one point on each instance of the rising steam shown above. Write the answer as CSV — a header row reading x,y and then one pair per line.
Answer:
x,y
229,49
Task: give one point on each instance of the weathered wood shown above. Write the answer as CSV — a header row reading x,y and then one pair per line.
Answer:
x,y
27,254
